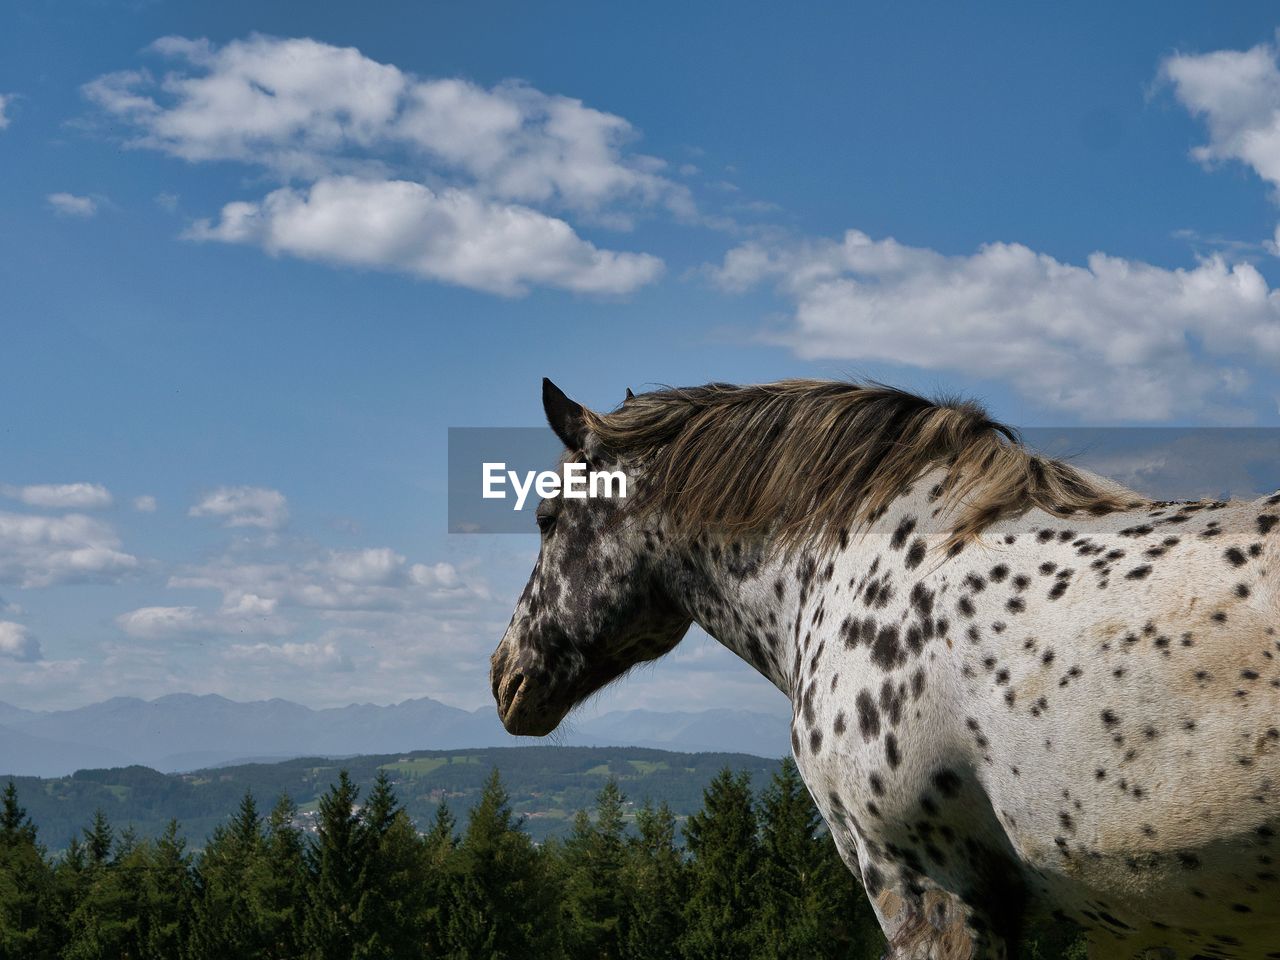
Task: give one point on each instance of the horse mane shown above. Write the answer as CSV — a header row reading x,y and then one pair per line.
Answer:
x,y
818,459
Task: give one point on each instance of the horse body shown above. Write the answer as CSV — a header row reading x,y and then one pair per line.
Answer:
x,y
1075,719
1066,716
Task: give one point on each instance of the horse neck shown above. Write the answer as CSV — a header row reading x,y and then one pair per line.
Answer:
x,y
748,596
773,606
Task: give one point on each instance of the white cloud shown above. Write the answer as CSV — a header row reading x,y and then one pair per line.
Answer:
x,y
1237,94
403,629
152,622
259,507
1113,339
60,496
70,205
402,626
6,99
439,178
293,105
305,108
36,551
438,575
271,616
375,565
314,656
45,683
248,615
377,579
17,643
452,236
144,504
524,145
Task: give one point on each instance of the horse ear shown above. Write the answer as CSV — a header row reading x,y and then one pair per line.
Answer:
x,y
630,395
564,416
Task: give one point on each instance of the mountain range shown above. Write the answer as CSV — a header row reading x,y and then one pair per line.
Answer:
x,y
185,731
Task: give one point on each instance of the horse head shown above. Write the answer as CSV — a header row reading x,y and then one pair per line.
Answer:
x,y
595,604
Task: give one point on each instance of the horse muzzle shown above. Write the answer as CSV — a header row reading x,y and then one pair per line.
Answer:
x,y
524,703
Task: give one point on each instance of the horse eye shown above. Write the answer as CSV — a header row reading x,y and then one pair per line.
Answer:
x,y
546,521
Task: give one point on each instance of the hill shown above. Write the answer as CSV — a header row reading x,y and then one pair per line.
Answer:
x,y
185,732
548,784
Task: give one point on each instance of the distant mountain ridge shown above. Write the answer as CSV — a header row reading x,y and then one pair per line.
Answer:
x,y
186,731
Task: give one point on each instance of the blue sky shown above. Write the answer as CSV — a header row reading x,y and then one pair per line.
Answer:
x,y
256,259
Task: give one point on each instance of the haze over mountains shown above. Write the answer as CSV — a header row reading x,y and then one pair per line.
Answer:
x,y
185,731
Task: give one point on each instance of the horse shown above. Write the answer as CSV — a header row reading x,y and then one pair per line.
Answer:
x,y
1020,692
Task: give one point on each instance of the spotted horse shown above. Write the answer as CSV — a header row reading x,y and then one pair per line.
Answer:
x,y
1020,692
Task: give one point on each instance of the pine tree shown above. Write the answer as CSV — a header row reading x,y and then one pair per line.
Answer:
x,y
722,897
29,926
441,877
655,881
127,842
245,831
595,857
276,885
99,838
104,923
335,867
223,923
69,877
505,905
168,896
442,837
16,827
798,901
854,927
121,896
391,911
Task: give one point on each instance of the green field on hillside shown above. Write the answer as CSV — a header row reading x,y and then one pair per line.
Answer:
x,y
547,785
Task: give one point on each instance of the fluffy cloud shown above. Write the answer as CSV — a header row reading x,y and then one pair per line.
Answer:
x,y
452,236
524,145
17,643
151,622
294,105
248,615
375,579
440,178
60,496
391,628
1113,339
399,625
70,205
259,507
304,108
374,565
145,504
37,551
312,656
1237,94
5,100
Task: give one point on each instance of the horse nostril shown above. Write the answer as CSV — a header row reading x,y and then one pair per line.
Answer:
x,y
497,669
510,690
